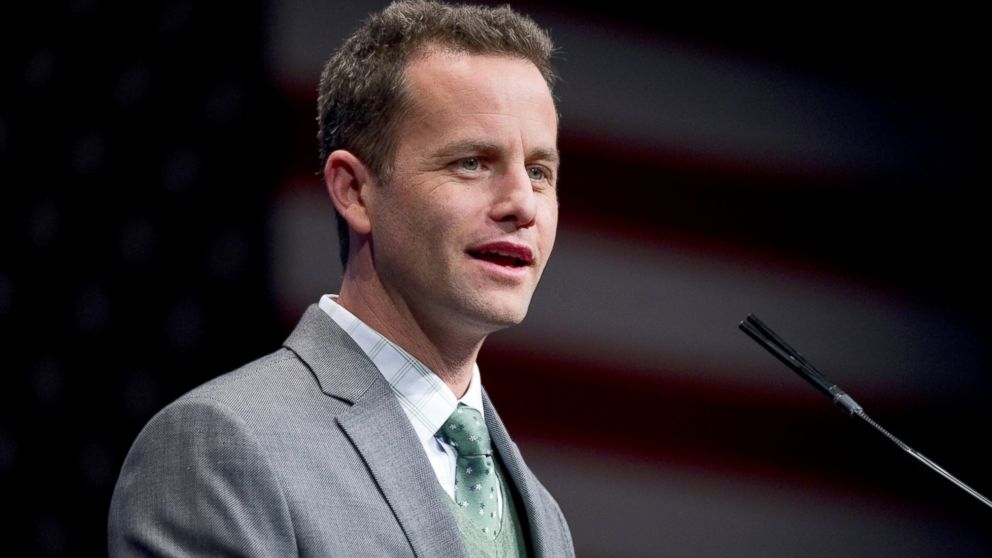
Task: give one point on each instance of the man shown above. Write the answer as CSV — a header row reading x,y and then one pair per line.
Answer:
x,y
369,433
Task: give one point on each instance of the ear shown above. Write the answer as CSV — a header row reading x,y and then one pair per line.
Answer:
x,y
346,178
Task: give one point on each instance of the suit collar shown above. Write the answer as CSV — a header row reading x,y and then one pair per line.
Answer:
x,y
381,433
424,397
341,368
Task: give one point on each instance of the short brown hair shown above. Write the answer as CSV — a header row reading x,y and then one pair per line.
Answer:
x,y
362,94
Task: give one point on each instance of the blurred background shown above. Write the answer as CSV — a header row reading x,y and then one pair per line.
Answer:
x,y
163,223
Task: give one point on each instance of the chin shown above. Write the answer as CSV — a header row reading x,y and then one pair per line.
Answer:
x,y
502,315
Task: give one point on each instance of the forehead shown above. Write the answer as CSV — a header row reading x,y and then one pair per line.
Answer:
x,y
445,84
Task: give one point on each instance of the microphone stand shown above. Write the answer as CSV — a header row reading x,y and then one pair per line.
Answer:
x,y
774,344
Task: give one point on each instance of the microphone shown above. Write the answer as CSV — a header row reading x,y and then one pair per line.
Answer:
x,y
774,344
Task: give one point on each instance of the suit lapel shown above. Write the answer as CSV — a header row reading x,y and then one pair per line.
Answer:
x,y
381,433
526,484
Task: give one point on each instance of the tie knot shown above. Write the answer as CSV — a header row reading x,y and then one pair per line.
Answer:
x,y
466,432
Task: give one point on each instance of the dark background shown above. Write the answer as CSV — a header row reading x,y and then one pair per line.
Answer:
x,y
142,149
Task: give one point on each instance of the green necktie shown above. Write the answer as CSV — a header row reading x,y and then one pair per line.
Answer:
x,y
475,475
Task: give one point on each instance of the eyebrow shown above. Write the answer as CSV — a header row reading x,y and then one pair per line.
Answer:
x,y
476,146
550,155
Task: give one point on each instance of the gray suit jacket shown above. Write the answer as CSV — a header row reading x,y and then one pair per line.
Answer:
x,y
305,452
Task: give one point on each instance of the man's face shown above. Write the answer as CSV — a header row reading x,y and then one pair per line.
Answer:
x,y
463,230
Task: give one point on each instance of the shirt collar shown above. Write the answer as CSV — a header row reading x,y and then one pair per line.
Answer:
x,y
424,397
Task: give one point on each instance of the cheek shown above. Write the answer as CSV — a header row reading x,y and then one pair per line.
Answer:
x,y
550,224
549,238
451,214
433,225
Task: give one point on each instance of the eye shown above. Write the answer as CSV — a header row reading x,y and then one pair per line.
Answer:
x,y
537,173
469,164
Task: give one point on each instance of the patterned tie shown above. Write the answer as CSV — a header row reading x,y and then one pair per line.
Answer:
x,y
475,475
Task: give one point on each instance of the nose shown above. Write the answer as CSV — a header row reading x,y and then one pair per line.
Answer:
x,y
514,200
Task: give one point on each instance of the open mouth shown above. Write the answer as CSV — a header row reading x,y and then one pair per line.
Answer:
x,y
503,254
498,259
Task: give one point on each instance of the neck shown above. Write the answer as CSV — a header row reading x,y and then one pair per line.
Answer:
x,y
449,354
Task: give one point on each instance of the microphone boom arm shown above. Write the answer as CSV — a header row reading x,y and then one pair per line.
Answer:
x,y
774,344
